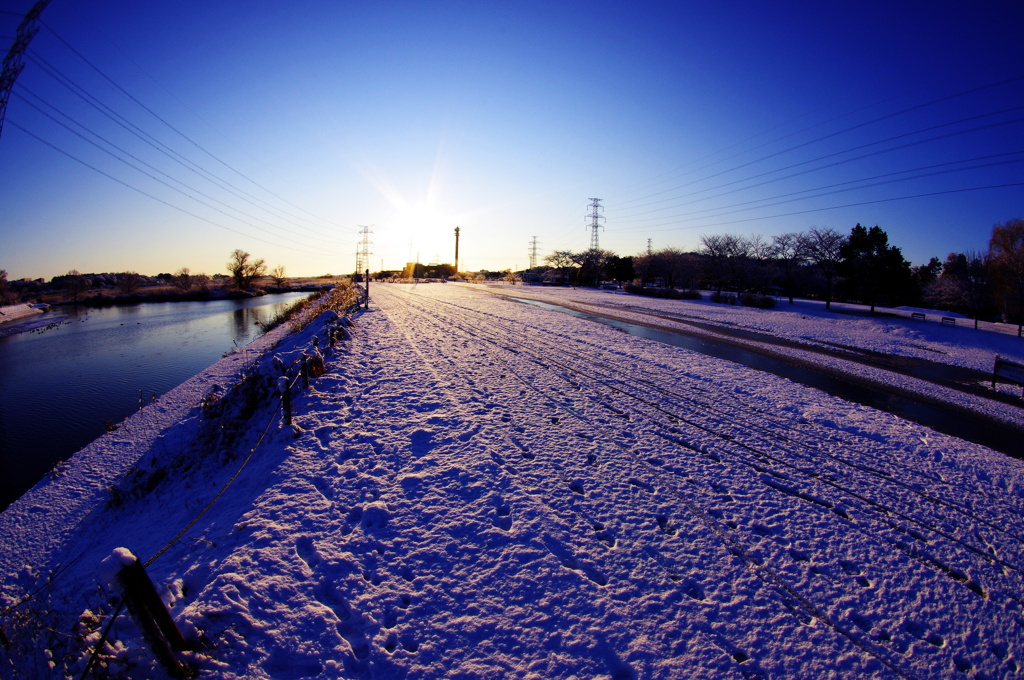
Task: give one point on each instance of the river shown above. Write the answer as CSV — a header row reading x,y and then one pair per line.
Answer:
x,y
944,418
61,385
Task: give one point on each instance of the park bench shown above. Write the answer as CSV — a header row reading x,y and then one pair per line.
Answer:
x,y
918,316
948,321
1008,372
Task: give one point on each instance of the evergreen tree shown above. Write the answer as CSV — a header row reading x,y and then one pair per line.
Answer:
x,y
874,271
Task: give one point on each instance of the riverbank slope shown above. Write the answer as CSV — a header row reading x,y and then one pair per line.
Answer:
x,y
478,488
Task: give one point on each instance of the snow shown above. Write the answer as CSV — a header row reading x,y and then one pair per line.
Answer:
x,y
11,313
483,489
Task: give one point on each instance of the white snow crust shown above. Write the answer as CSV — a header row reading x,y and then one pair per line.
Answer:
x,y
478,488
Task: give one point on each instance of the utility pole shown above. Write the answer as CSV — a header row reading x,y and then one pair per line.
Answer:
x,y
595,217
13,64
533,253
456,251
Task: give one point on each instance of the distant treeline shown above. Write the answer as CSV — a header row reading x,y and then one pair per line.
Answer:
x,y
248,277
861,267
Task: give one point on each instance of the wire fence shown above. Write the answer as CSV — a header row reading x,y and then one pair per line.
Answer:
x,y
268,377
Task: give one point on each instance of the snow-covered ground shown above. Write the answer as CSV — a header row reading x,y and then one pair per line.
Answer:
x,y
483,489
14,312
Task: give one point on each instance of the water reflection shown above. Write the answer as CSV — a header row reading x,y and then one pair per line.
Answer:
x,y
959,423
59,387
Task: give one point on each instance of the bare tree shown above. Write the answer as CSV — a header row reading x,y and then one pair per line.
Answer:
x,y
727,259
715,251
788,251
560,259
129,282
1007,253
823,247
7,296
182,279
964,285
277,273
201,282
75,284
244,270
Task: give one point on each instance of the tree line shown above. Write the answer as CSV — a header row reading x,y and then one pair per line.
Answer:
x,y
821,263
243,272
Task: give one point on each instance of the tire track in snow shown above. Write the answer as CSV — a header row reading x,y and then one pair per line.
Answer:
x,y
798,606
546,360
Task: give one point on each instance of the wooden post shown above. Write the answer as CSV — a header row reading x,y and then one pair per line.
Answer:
x,y
152,616
286,399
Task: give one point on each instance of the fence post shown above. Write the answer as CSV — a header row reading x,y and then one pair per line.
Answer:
x,y
150,613
286,399
304,371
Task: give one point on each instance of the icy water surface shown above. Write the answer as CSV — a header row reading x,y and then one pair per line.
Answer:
x,y
950,421
60,386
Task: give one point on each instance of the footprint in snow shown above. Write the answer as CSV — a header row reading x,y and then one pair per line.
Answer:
x,y
307,552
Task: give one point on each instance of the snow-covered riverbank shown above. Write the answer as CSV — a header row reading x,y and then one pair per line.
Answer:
x,y
478,488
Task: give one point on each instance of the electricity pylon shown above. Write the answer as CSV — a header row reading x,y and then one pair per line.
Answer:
x,y
363,249
595,217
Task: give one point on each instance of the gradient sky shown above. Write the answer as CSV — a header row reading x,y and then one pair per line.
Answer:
x,y
285,126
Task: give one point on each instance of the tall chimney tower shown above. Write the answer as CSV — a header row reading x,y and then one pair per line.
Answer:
x,y
456,250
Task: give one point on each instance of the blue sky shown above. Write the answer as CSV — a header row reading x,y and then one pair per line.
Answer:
x,y
284,127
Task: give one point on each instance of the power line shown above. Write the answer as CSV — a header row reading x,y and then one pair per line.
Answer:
x,y
877,119
13,63
149,195
850,205
154,169
159,146
855,158
84,18
166,123
835,190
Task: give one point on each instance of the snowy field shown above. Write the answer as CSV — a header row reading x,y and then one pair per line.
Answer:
x,y
478,488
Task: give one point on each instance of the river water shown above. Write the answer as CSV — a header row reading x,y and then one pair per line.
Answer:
x,y
988,432
61,385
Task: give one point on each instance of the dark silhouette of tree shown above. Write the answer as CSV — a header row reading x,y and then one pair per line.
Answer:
x,y
924,275
963,286
75,284
182,279
1006,249
244,270
727,260
874,271
822,247
788,251
129,282
277,273
620,268
7,296
592,265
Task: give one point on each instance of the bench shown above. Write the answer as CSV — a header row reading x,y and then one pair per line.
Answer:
x,y
919,316
948,321
1008,372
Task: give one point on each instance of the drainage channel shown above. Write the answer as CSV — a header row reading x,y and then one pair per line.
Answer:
x,y
936,415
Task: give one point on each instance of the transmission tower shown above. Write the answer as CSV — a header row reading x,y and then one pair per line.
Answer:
x,y
363,251
533,253
13,64
595,218
649,252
